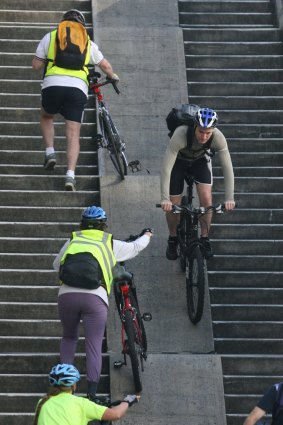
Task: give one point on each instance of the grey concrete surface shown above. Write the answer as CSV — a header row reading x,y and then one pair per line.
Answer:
x,y
180,389
144,43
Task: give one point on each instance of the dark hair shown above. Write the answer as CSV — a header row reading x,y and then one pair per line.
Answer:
x,y
96,225
53,391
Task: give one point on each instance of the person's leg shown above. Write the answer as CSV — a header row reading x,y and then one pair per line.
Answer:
x,y
173,219
73,143
94,317
205,200
47,128
69,314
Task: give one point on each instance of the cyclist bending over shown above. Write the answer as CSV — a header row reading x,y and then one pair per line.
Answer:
x,y
180,159
61,407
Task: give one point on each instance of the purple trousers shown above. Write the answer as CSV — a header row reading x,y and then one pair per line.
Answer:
x,y
91,309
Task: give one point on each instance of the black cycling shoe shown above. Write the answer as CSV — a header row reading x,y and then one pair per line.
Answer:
x,y
206,247
171,251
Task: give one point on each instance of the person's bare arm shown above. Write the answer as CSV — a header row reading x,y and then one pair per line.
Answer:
x,y
106,67
254,416
116,412
38,64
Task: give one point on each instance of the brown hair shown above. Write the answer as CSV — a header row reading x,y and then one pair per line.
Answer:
x,y
53,391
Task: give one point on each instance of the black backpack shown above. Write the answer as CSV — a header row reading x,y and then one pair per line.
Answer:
x,y
185,115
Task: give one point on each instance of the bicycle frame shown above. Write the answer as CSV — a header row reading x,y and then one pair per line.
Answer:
x,y
127,306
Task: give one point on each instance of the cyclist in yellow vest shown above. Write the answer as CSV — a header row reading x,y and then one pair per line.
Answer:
x,y
61,407
85,264
65,91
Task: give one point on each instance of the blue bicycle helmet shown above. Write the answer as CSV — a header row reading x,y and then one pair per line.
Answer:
x,y
92,217
74,15
64,375
206,118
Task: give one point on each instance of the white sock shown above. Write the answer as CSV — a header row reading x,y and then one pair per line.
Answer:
x,y
70,173
48,151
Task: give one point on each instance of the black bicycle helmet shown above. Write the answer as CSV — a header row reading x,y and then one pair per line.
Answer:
x,y
206,118
64,375
74,15
93,216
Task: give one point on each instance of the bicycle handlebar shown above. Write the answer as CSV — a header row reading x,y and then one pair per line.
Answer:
x,y
94,82
218,209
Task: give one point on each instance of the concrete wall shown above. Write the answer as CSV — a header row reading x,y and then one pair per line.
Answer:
x,y
144,43
278,4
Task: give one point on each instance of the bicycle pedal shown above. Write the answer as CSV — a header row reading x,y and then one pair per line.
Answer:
x,y
118,364
135,166
98,139
147,317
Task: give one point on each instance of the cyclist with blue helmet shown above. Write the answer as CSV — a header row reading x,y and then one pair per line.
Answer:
x,y
193,156
65,88
87,265
61,407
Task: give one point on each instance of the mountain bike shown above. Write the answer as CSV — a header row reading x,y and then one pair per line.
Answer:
x,y
191,251
134,340
109,137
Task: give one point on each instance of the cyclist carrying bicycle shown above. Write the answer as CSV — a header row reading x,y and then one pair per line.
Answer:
x,y
61,407
87,265
181,159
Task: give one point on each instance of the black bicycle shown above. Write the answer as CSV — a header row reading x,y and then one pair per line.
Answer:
x,y
191,250
109,137
134,340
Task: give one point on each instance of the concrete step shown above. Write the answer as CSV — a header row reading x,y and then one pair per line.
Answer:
x,y
247,262
31,293
252,130
227,6
237,103
246,231
247,296
31,245
251,345
234,88
256,365
229,19
246,329
24,171
229,75
15,344
230,34
244,279
243,184
228,48
21,383
43,198
36,16
28,31
32,128
37,229
245,246
46,182
250,200
38,214
235,384
83,5
247,216
248,172
21,157
249,312
26,277
225,61
34,143
26,261
32,114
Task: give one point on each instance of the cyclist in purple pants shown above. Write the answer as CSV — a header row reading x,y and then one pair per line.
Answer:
x,y
86,265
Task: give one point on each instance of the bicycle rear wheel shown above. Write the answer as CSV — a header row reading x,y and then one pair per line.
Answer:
x,y
195,284
140,323
118,157
132,351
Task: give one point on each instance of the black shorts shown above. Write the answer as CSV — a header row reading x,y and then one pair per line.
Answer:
x,y
200,169
67,101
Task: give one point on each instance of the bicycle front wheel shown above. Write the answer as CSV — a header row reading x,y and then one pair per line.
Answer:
x,y
195,284
132,351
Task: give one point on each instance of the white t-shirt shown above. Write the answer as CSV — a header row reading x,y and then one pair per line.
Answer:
x,y
65,80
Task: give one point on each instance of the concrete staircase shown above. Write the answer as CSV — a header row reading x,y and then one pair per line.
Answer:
x,y
36,214
234,64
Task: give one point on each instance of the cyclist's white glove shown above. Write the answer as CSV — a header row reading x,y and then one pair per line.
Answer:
x,y
115,77
131,399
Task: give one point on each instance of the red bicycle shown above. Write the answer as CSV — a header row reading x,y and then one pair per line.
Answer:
x,y
134,341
